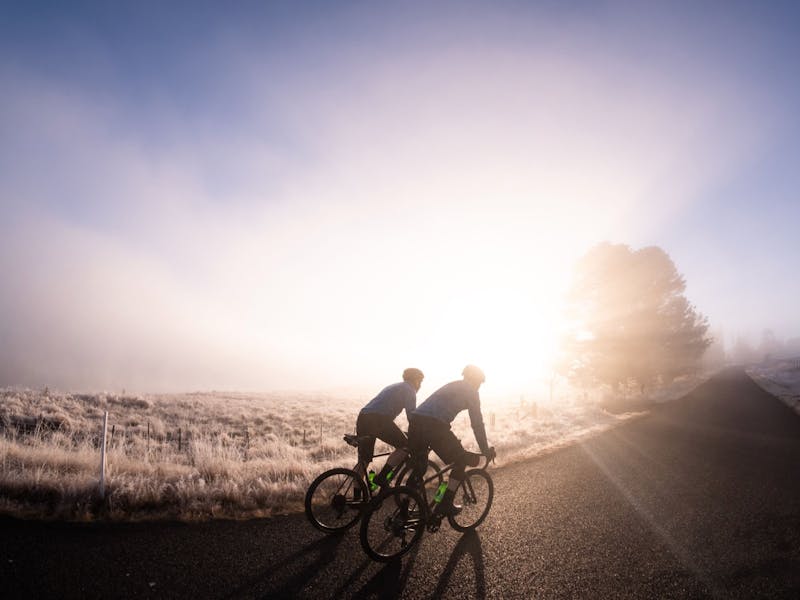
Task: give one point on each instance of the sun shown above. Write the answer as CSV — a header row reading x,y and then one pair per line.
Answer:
x,y
512,338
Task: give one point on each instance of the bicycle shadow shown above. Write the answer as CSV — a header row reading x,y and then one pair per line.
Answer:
x,y
304,564
470,543
390,581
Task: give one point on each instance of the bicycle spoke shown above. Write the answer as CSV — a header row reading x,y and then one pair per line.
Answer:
x,y
475,495
334,500
392,526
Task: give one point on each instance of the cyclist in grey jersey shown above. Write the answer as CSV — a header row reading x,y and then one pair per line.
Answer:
x,y
376,420
392,400
449,400
429,427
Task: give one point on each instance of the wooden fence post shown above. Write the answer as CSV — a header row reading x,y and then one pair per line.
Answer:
x,y
148,440
103,457
180,440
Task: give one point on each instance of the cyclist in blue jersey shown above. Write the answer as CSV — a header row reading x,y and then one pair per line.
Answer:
x,y
429,427
376,420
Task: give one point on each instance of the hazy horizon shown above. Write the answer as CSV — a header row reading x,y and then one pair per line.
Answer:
x,y
314,196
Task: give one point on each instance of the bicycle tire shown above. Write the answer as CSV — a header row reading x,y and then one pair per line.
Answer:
x,y
332,500
433,484
475,494
392,524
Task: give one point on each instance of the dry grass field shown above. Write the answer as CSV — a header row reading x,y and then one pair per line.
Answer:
x,y
206,455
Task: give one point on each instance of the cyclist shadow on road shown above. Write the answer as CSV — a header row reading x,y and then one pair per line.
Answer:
x,y
391,580
470,543
299,563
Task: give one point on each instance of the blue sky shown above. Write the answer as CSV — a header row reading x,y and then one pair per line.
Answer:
x,y
301,194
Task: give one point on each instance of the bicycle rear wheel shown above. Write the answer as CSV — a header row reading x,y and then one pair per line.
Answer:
x,y
334,500
392,524
475,496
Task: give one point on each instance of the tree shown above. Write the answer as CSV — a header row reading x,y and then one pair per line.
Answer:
x,y
715,356
630,321
743,352
771,347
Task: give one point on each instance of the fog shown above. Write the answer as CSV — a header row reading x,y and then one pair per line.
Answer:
x,y
325,199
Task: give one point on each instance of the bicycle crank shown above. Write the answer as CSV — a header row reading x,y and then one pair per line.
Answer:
x,y
434,524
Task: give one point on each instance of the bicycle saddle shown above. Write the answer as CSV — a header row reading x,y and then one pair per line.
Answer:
x,y
354,439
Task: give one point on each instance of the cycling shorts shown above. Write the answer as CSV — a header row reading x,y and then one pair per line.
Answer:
x,y
377,426
429,432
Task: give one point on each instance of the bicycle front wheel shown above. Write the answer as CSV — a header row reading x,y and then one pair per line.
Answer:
x,y
392,524
334,500
475,496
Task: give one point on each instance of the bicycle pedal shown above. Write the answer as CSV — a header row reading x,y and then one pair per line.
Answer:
x,y
435,523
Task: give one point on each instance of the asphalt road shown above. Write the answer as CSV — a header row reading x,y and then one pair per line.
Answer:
x,y
700,499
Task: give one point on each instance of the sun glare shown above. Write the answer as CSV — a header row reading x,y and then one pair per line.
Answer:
x,y
512,338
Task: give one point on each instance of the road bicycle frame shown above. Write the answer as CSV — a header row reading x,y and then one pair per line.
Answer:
x,y
427,518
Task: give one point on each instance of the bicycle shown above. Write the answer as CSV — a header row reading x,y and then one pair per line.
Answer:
x,y
394,521
335,499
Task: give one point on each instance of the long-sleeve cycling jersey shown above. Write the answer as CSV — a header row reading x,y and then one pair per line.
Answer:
x,y
449,400
392,399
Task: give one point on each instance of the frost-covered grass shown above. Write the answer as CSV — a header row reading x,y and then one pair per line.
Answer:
x,y
239,455
780,378
235,455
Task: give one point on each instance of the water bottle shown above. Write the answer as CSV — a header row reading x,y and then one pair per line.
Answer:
x,y
440,492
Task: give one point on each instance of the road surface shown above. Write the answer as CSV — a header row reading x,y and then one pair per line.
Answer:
x,y
699,499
